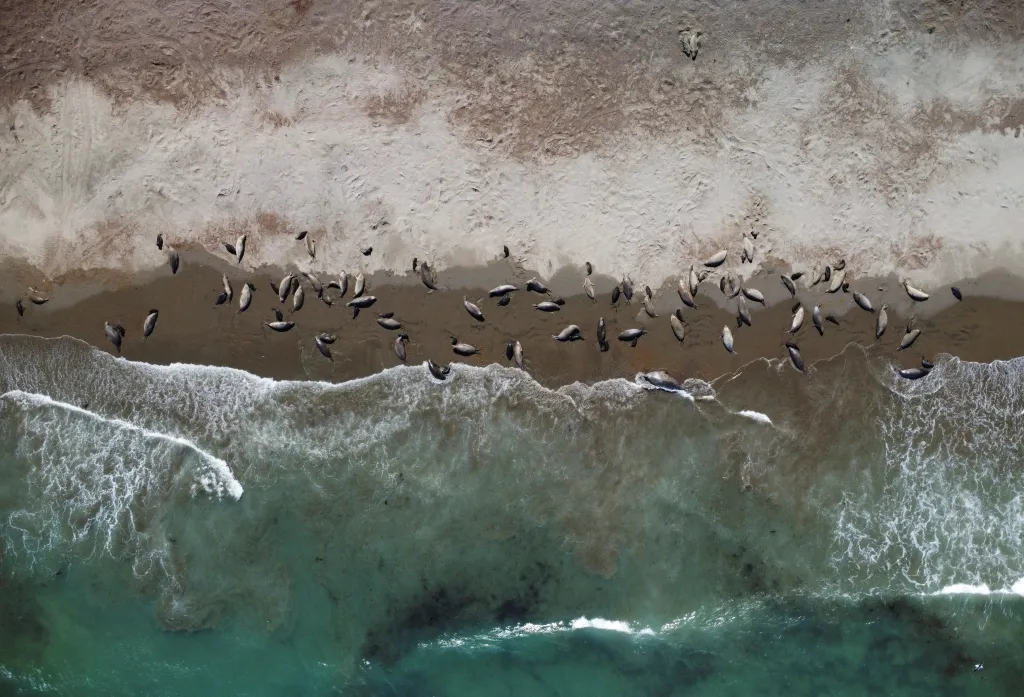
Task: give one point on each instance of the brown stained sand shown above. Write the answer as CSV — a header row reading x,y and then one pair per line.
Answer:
x,y
191,329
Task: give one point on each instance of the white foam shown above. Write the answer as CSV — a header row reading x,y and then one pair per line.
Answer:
x,y
982,589
755,416
218,479
944,508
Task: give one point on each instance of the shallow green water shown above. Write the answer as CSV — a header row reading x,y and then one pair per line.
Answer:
x,y
203,531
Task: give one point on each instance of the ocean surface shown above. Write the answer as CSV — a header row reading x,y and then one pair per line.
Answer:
x,y
191,530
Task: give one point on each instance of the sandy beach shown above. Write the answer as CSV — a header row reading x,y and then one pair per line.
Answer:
x,y
192,329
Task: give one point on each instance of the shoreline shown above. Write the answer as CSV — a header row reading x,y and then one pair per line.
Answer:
x,y
191,329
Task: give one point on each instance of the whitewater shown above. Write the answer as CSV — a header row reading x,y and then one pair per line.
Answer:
x,y
764,533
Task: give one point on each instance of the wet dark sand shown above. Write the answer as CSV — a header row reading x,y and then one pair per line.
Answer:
x,y
191,329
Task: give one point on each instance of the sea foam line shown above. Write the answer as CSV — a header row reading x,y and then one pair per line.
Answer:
x,y
224,476
967,589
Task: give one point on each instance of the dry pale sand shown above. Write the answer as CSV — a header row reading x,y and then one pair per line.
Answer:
x,y
886,133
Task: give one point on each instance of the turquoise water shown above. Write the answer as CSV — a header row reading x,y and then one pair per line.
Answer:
x,y
194,530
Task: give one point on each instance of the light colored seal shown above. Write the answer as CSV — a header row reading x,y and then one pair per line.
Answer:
x,y
727,340
716,259
882,322
150,324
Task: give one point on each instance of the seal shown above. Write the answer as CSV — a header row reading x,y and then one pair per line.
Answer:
x,y
361,303
716,259
301,235
590,268
160,241
909,338
389,323
504,300
439,372
685,295
227,286
517,353
677,325
173,259
790,286
504,250
816,319
649,307
794,356
427,276
321,346
230,248
754,294
632,336
547,307
627,289
315,283
360,285
742,313
240,249
693,281
221,298
956,293
20,308
882,322
570,333
311,247
727,340
285,287
615,294
298,299
862,302
588,288
400,346
838,278
601,337
536,286
691,41
280,326
916,294
912,373
797,321
473,310
748,250
661,380
464,349
501,291
114,332
150,324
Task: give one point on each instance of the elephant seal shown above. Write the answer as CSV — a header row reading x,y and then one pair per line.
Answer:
x,y
794,356
716,259
150,324
570,333
473,310
661,380
632,336
400,346
727,340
